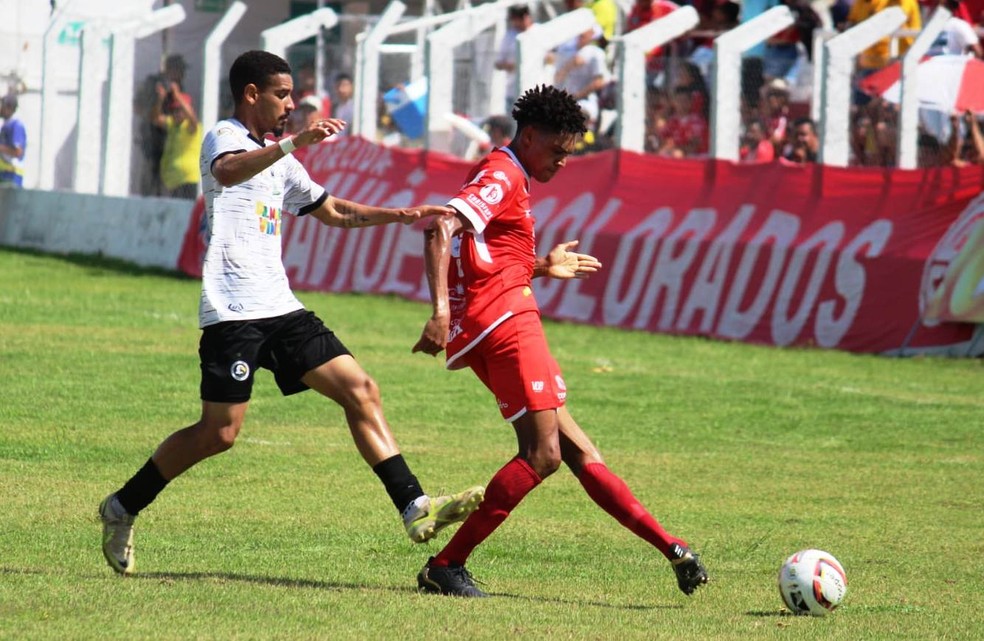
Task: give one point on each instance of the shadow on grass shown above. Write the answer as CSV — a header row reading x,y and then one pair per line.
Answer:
x,y
96,263
264,580
337,585
777,614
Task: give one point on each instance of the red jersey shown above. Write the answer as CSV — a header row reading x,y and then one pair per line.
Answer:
x,y
491,271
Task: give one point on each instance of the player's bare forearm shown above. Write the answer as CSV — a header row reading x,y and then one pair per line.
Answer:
x,y
564,264
437,258
337,212
233,169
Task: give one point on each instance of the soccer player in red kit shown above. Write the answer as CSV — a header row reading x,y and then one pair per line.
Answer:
x,y
480,265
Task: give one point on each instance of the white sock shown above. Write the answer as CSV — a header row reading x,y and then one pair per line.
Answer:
x,y
117,508
414,509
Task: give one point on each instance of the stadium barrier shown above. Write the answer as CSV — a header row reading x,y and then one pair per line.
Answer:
x,y
144,231
771,254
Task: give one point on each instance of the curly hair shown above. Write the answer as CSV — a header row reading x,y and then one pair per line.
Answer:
x,y
254,67
549,109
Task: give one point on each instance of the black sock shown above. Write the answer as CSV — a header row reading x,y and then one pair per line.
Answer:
x,y
141,490
400,483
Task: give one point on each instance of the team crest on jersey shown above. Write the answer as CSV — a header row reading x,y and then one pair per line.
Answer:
x,y
239,371
492,193
270,219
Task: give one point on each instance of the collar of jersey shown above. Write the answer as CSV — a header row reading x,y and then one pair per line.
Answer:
x,y
512,156
248,134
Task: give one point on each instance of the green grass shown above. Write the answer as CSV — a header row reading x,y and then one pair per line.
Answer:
x,y
750,453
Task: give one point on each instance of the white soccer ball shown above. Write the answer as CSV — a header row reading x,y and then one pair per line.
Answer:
x,y
812,582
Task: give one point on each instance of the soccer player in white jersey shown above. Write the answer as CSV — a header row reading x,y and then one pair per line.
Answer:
x,y
251,319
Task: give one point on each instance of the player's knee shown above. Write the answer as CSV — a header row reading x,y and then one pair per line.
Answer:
x,y
216,439
363,392
226,437
545,462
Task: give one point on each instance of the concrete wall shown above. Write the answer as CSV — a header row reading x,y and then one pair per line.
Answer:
x,y
144,231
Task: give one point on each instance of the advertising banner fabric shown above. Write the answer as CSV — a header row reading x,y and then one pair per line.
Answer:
x,y
772,254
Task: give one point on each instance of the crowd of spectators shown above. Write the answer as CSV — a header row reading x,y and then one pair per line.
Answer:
x,y
777,83
776,79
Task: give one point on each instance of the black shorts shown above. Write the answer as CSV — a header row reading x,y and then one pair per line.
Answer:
x,y
289,346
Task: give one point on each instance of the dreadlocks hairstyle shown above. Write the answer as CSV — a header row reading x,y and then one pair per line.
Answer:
x,y
549,109
254,67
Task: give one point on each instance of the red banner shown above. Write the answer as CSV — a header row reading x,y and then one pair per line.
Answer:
x,y
771,254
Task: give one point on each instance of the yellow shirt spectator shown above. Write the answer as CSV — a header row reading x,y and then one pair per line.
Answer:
x,y
182,145
878,55
606,15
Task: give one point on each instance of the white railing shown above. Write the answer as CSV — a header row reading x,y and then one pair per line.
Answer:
x,y
100,148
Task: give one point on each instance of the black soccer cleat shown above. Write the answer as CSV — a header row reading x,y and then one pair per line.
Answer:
x,y
451,580
690,572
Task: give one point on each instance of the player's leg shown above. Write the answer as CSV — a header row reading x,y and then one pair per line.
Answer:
x,y
214,433
612,494
511,363
228,353
344,381
538,457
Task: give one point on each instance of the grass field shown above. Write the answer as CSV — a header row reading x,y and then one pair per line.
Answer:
x,y
749,453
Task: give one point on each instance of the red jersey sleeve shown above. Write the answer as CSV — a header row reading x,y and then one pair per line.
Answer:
x,y
489,191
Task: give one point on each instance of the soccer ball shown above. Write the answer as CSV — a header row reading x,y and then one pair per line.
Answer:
x,y
812,582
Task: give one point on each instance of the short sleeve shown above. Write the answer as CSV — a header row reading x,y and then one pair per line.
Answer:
x,y
221,140
300,190
19,136
485,197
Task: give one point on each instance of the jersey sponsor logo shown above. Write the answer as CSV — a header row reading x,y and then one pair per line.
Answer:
x,y
502,404
239,371
560,382
501,175
270,219
537,386
235,307
455,330
479,204
492,193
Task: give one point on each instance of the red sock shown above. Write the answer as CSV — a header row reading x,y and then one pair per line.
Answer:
x,y
614,496
504,492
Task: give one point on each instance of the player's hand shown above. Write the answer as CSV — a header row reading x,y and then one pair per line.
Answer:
x,y
565,264
318,131
434,337
413,214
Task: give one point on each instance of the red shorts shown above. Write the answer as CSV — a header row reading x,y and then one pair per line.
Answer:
x,y
515,363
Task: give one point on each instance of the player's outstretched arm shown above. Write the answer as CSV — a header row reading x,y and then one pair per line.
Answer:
x,y
233,169
337,212
564,264
437,256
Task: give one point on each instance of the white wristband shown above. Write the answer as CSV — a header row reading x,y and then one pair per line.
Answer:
x,y
287,145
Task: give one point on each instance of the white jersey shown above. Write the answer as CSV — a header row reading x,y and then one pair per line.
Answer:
x,y
955,39
243,276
